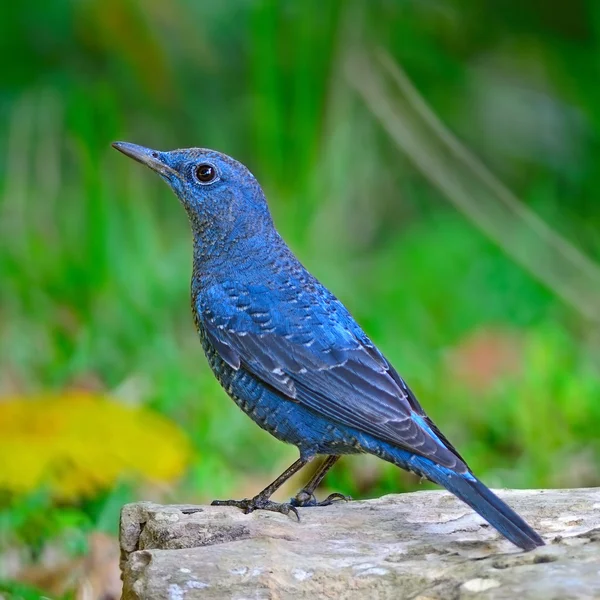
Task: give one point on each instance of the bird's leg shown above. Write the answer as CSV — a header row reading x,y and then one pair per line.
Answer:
x,y
261,501
306,496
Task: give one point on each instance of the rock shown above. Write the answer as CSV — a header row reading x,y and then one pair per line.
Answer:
x,y
422,546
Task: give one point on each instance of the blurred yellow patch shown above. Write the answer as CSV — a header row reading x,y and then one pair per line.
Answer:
x,y
79,443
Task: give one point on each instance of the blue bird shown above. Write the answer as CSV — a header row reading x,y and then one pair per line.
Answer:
x,y
289,353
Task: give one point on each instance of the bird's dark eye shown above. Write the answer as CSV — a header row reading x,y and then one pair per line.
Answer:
x,y
206,173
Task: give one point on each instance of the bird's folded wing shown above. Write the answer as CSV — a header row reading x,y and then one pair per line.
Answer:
x,y
318,356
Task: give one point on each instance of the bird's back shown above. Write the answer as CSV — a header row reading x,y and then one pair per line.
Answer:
x,y
268,316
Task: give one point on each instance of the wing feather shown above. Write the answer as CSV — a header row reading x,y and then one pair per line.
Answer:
x,y
318,356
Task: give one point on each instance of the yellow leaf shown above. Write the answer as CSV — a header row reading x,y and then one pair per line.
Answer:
x,y
79,443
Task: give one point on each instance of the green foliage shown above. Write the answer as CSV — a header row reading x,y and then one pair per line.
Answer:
x,y
19,591
95,257
33,520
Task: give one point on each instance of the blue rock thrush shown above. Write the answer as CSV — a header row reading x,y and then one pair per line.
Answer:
x,y
290,354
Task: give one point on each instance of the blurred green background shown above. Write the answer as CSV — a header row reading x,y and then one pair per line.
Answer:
x,y
105,396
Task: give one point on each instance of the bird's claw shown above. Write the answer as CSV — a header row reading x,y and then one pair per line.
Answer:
x,y
335,497
249,505
305,499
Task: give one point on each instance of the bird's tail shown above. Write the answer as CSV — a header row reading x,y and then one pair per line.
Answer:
x,y
484,502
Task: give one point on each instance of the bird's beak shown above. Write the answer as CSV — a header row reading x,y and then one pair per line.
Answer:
x,y
146,156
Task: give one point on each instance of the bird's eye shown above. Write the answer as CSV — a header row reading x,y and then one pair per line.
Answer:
x,y
206,173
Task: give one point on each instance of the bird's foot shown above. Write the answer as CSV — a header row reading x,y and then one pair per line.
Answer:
x,y
249,505
305,499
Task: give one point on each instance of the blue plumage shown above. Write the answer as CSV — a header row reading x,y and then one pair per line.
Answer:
x,y
289,353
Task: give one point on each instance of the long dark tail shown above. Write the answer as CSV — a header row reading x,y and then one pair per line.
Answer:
x,y
484,502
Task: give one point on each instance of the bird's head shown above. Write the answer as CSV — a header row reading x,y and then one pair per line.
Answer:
x,y
219,194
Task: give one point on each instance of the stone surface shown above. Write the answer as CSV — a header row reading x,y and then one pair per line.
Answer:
x,y
422,546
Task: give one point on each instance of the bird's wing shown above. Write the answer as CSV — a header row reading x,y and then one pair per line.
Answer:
x,y
308,347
